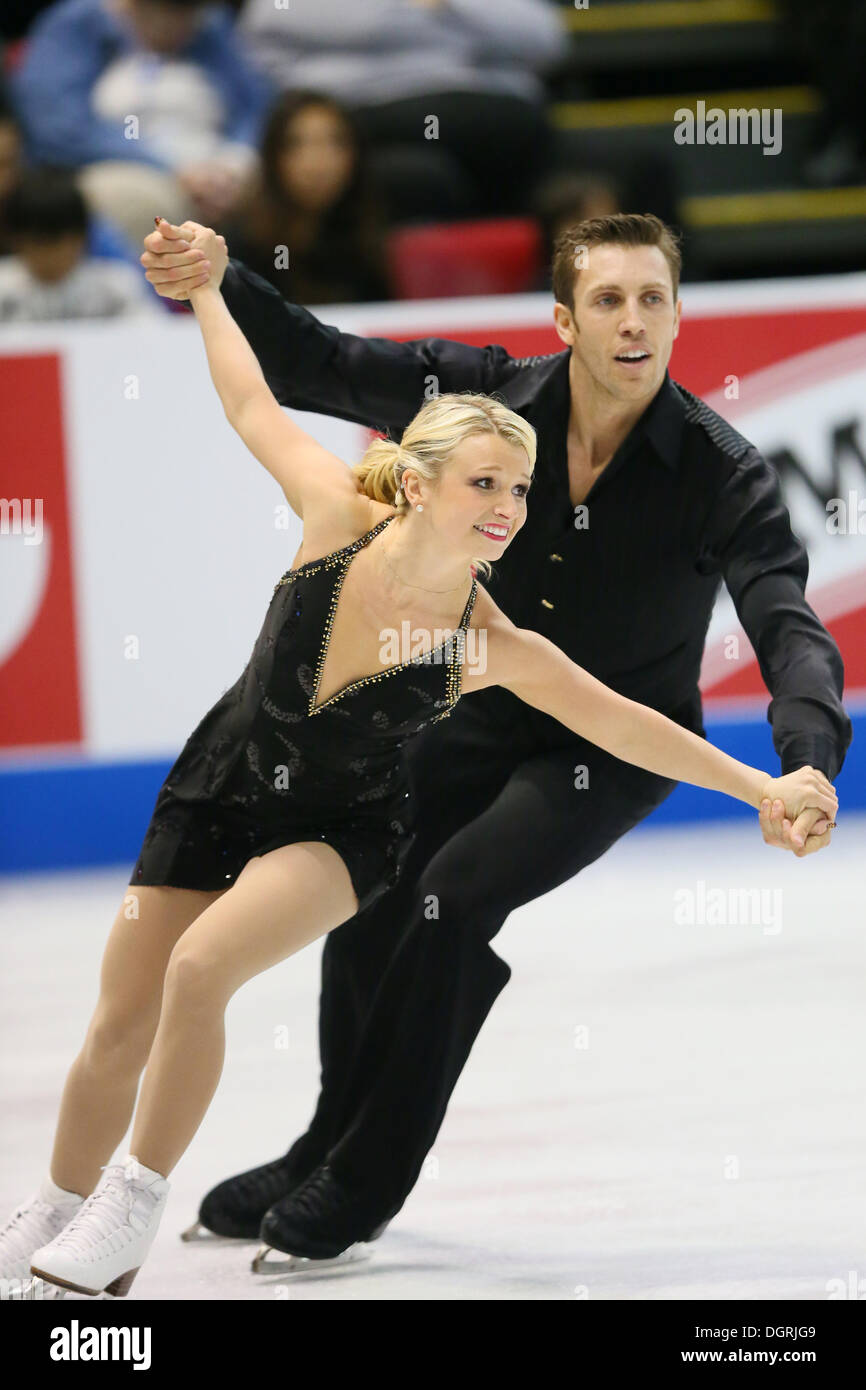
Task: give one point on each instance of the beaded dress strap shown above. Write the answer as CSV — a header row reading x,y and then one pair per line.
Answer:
x,y
470,604
326,561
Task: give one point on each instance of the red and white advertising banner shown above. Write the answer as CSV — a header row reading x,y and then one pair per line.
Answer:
x,y
139,541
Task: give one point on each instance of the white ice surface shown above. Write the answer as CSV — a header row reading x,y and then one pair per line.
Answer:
x,y
707,1140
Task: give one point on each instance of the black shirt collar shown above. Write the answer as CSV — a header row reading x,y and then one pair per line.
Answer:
x,y
661,424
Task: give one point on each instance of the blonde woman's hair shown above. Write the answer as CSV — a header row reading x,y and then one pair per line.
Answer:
x,y
430,439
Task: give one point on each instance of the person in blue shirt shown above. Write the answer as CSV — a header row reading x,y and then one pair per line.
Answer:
x,y
153,100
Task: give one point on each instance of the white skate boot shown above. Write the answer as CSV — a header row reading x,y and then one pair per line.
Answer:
x,y
30,1226
106,1242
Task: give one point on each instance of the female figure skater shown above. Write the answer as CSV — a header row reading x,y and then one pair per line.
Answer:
x,y
285,813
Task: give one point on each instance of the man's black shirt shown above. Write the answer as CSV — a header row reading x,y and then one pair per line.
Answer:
x,y
625,584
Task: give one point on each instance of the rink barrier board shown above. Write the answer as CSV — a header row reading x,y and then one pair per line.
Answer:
x,y
82,814
85,733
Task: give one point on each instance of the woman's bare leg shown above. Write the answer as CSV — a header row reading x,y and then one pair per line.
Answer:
x,y
99,1095
279,903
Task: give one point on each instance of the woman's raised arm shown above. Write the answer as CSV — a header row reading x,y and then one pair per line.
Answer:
x,y
300,465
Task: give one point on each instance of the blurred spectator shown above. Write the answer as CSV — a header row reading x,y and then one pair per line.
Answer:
x,y
103,238
153,99
446,90
645,180
49,275
314,206
10,165
564,199
831,37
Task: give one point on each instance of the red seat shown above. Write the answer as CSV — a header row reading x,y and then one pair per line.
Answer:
x,y
494,256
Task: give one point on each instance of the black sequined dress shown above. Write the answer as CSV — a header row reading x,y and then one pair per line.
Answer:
x,y
268,766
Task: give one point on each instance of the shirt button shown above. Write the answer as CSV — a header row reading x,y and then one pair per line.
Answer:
x,y
546,603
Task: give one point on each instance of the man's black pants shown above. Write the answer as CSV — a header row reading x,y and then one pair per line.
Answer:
x,y
501,817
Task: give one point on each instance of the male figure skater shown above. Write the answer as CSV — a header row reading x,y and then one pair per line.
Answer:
x,y
643,501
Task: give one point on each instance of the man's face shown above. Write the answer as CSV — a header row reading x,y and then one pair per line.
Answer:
x,y
624,322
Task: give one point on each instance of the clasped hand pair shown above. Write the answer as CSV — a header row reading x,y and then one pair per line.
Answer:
x,y
180,260
798,811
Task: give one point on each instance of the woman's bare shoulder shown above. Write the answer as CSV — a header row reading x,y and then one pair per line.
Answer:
x,y
346,519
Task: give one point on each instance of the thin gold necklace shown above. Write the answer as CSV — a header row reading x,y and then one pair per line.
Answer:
x,y
417,586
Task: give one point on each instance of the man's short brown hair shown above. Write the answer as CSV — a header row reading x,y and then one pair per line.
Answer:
x,y
619,229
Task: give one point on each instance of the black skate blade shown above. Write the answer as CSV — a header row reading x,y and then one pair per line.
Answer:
x,y
359,1253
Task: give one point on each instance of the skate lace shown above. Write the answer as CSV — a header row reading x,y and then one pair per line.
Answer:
x,y
248,1184
320,1187
23,1227
107,1210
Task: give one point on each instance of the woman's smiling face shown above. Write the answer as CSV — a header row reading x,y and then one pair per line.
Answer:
x,y
479,502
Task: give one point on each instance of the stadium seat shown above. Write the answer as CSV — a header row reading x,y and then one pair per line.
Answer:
x,y
492,256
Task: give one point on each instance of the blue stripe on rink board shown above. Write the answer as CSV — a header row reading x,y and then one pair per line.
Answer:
x,y
74,814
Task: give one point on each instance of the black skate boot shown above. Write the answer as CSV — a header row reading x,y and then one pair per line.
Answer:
x,y
322,1221
235,1207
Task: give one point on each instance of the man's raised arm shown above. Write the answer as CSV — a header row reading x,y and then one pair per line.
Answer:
x,y
312,366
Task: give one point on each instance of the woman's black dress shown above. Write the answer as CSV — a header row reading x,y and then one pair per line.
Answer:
x,y
268,766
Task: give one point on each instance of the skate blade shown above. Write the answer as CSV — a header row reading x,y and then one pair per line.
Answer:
x,y
31,1289
201,1234
300,1264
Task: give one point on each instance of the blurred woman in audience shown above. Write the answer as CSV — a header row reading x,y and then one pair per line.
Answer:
x,y
312,224
450,93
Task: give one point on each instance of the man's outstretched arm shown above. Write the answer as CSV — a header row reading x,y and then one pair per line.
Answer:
x,y
312,366
765,568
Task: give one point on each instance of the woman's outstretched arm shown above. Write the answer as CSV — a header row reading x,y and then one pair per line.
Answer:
x,y
535,670
304,470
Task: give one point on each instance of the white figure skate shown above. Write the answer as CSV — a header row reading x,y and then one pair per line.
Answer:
x,y
106,1242
31,1226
